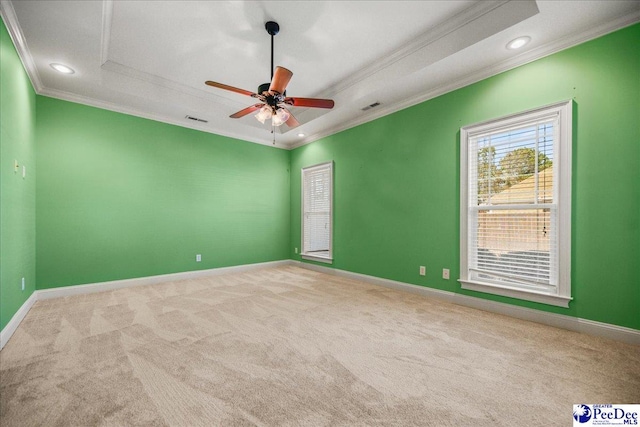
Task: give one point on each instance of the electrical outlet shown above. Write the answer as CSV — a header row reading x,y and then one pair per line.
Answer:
x,y
198,258
23,283
15,166
445,273
296,249
423,270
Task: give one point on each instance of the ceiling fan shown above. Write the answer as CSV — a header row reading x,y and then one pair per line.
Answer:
x,y
273,100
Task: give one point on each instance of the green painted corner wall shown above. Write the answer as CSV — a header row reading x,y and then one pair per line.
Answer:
x,y
396,189
123,197
17,195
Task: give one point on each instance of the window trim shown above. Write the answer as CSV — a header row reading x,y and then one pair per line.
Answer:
x,y
329,259
562,296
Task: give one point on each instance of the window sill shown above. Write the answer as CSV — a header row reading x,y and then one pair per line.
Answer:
x,y
506,291
317,258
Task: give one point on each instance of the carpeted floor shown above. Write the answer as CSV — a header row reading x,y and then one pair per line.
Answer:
x,y
288,346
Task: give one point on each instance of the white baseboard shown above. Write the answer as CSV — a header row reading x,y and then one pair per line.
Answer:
x,y
585,326
13,324
67,291
150,280
387,283
590,327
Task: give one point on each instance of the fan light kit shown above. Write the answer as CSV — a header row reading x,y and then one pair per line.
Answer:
x,y
273,100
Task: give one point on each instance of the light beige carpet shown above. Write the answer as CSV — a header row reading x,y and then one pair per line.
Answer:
x,y
287,346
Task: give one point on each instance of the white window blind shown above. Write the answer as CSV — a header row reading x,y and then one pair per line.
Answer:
x,y
513,207
514,178
317,203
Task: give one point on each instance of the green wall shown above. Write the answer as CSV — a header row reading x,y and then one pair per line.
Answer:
x,y
17,195
397,178
122,197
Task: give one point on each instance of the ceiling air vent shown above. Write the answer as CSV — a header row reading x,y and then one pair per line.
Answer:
x,y
195,119
370,106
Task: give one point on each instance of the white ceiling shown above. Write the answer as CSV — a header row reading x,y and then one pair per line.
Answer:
x,y
151,58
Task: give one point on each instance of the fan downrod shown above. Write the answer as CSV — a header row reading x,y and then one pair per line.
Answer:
x,y
272,28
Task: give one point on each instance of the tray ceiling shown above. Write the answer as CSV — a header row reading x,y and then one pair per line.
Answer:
x,y
151,58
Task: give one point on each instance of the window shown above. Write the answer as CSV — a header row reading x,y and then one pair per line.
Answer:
x,y
317,212
515,205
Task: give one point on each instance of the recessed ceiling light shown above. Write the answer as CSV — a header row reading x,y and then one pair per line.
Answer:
x,y
301,134
518,43
62,68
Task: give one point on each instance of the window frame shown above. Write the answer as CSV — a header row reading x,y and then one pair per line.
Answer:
x,y
562,174
303,253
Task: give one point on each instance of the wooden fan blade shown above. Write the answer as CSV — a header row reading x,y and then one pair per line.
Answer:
x,y
310,102
231,88
280,80
292,122
246,111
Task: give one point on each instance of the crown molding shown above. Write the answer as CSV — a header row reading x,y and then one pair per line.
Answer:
x,y
15,32
484,73
456,22
79,99
8,15
155,80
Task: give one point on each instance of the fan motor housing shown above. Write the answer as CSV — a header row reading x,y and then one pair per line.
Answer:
x,y
264,87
